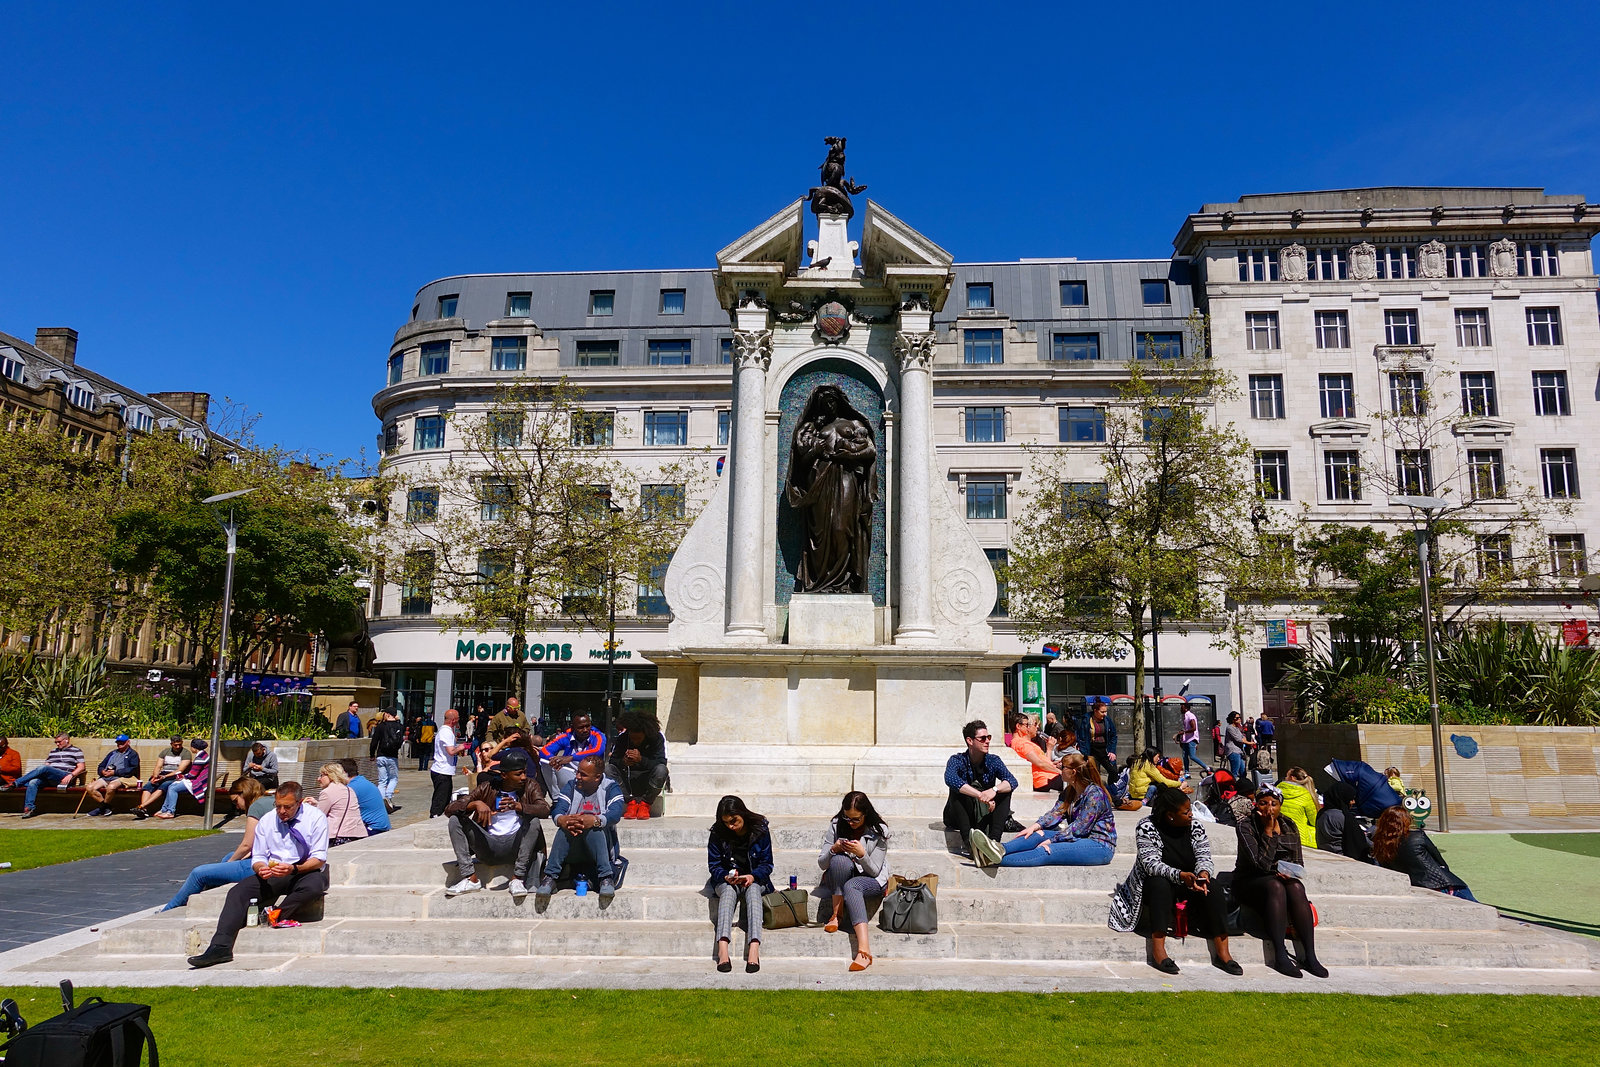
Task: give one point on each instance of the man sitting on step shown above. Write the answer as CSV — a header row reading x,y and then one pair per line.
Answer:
x,y
980,788
289,864
584,812
638,762
498,822
568,747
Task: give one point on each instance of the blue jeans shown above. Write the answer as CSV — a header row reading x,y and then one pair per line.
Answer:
x,y
591,841
1080,852
1463,892
388,776
175,789
1189,756
1236,766
46,775
209,876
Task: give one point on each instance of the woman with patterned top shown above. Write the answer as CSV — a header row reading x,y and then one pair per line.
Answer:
x,y
1079,831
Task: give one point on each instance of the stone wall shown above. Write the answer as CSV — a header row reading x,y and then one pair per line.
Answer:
x,y
298,761
1489,770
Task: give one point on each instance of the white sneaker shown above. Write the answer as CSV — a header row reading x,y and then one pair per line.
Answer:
x,y
466,885
985,853
518,890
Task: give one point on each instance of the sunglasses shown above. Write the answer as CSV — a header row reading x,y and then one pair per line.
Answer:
x,y
982,737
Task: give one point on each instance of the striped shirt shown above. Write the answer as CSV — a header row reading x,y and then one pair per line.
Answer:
x,y
65,759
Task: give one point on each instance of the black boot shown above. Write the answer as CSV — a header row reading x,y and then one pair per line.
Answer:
x,y
212,956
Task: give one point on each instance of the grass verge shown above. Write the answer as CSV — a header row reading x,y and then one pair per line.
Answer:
x,y
40,848
580,1028
1547,879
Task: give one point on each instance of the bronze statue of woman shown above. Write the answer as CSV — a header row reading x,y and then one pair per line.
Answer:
x,y
832,483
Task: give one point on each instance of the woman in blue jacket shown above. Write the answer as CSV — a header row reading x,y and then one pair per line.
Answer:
x,y
739,853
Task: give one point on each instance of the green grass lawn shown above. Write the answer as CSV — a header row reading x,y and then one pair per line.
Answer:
x,y
1549,879
579,1028
40,848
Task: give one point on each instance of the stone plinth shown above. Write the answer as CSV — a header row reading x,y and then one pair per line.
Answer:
x,y
832,620
334,692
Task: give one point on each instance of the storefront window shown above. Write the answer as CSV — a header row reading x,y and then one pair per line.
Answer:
x,y
568,693
410,692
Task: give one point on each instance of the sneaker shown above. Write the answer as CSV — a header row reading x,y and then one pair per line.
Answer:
x,y
985,853
141,814
100,812
644,810
518,888
466,885
547,885
29,814
608,887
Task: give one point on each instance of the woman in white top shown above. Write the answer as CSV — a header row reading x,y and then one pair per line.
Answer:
x,y
855,865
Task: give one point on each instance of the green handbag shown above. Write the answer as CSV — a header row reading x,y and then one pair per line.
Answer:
x,y
783,909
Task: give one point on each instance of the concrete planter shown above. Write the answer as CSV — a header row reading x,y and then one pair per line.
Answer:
x,y
298,761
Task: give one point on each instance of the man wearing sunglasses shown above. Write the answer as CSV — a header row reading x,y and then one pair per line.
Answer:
x,y
980,788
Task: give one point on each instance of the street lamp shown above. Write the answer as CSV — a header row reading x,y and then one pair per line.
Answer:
x,y
232,529
1428,505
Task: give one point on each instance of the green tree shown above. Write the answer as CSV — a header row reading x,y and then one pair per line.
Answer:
x,y
1170,529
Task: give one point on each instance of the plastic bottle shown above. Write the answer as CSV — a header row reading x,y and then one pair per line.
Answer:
x,y
581,887
252,915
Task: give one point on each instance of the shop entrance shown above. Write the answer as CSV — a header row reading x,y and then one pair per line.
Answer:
x,y
568,694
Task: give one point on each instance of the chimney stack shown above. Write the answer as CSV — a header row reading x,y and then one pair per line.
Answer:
x,y
59,341
195,405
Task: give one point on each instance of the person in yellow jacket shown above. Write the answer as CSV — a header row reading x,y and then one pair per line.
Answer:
x,y
1145,774
1300,802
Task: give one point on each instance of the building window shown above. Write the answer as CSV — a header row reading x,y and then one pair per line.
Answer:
x,y
1257,265
983,346
652,597
1544,326
1559,469
1266,396
1261,331
1468,261
985,425
391,439
724,424
143,421
674,353
1158,346
1333,329
599,353
1068,346
662,501
1341,473
1568,556
1395,261
1550,393
447,306
1400,327
10,366
1413,472
504,429
725,351
602,301
1494,555
1338,394
1080,499
1486,470
1272,475
428,432
672,301
416,591
509,353
593,429
494,567
997,562
519,305
1538,259
1472,327
665,428
435,358
422,505
1408,394
1074,294
986,498
495,497
1326,265
80,396
1155,292
1478,395
1082,425
397,366
980,296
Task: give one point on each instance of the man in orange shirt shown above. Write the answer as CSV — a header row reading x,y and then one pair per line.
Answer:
x,y
1046,775
10,764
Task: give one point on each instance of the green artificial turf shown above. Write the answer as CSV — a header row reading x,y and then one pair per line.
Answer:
x,y
40,848
580,1028
1549,879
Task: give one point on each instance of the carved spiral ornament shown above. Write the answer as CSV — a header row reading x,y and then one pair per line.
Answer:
x,y
960,591
699,594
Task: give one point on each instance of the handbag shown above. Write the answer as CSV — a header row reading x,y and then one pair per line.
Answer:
x,y
783,909
910,905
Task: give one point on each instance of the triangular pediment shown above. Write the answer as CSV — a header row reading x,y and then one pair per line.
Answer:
x,y
778,240
1483,427
1341,428
888,242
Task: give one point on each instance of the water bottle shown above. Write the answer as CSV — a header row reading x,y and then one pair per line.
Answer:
x,y
581,887
252,915
794,882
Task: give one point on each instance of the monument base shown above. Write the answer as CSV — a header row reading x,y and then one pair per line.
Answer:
x,y
832,620
334,692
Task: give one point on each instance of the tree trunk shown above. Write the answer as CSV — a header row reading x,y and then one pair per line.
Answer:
x,y
1138,690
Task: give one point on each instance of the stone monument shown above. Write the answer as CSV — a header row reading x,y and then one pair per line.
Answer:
x,y
830,602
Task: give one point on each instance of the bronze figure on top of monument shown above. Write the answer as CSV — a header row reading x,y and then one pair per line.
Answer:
x,y
832,197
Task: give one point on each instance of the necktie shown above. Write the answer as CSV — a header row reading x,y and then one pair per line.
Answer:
x,y
298,838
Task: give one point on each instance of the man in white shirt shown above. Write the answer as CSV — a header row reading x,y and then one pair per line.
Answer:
x,y
443,767
289,860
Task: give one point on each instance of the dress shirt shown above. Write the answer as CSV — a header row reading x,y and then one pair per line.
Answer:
x,y
274,843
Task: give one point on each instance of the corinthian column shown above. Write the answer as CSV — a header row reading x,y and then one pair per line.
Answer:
x,y
752,354
914,350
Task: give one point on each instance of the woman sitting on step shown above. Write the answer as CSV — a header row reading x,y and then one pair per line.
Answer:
x,y
739,853
1079,831
1174,870
338,802
855,865
1400,846
1266,878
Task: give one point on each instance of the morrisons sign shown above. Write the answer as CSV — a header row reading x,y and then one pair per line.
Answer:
x,y
500,651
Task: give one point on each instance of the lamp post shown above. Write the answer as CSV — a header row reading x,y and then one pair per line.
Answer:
x,y
232,529
611,622
1428,505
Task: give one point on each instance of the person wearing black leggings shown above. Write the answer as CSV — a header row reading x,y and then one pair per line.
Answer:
x,y
1265,841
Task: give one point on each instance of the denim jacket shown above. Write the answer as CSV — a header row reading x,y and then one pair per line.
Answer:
x,y
719,858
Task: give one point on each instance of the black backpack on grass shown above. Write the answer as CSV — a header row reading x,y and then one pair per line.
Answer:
x,y
93,1034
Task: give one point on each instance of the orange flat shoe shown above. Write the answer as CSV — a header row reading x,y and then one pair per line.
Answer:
x,y
854,966
832,925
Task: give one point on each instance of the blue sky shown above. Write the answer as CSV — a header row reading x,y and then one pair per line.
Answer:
x,y
244,201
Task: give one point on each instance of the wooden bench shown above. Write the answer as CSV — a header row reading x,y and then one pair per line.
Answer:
x,y
54,801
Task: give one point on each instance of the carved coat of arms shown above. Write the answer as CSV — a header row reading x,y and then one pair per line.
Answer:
x,y
833,322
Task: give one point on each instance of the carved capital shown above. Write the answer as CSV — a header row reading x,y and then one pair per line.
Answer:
x,y
752,348
914,350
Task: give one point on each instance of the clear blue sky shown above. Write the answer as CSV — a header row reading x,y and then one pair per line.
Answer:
x,y
242,200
